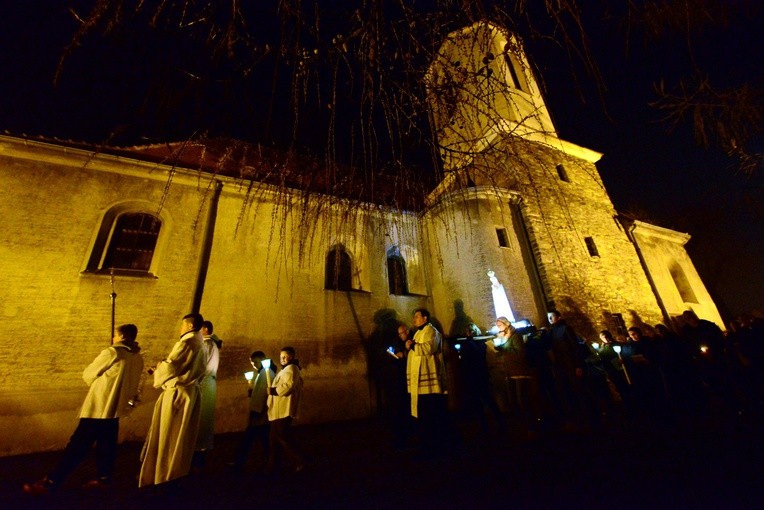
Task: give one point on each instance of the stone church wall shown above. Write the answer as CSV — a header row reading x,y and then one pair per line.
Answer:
x,y
56,318
567,250
259,292
464,246
264,285
560,214
673,274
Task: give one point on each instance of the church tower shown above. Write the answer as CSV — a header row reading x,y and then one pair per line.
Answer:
x,y
480,87
518,202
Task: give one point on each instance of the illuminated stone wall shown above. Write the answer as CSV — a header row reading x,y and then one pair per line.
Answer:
x,y
464,245
673,274
547,217
496,134
260,292
264,286
588,267
56,318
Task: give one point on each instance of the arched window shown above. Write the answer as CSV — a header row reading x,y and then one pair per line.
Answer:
x,y
682,283
125,242
396,272
338,275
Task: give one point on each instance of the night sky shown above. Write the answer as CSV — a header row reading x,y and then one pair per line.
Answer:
x,y
660,177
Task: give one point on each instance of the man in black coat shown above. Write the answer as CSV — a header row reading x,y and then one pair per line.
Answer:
x,y
568,362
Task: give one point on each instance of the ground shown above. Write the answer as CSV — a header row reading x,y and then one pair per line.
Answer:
x,y
714,462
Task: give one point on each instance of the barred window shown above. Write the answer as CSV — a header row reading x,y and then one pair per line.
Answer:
x,y
125,243
133,242
618,324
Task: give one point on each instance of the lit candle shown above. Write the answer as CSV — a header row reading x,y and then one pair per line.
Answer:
x,y
617,349
266,366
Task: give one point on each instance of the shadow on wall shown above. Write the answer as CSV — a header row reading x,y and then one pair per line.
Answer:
x,y
382,369
581,323
636,320
383,335
386,324
461,320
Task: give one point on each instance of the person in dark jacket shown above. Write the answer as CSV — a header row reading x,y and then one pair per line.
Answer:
x,y
522,375
685,391
708,343
568,363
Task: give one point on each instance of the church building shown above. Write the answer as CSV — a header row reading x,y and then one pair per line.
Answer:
x,y
96,235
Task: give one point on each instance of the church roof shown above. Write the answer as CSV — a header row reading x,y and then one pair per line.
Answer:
x,y
272,166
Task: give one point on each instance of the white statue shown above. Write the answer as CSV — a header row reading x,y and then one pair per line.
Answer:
x,y
500,301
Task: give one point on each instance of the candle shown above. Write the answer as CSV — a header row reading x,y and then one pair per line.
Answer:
x,y
266,366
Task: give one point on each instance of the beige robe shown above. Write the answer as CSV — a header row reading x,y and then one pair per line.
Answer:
x,y
113,377
209,390
170,442
424,366
288,384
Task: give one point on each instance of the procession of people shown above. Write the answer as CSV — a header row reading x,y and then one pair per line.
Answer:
x,y
545,380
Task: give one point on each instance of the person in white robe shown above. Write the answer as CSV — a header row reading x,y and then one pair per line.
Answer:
x,y
209,388
284,397
113,379
169,447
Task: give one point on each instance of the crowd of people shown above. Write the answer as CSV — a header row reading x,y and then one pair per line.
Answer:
x,y
182,425
547,379
552,379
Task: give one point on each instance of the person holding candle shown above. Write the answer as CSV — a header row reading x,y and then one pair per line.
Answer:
x,y
169,447
568,370
395,387
284,393
614,368
257,426
521,376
